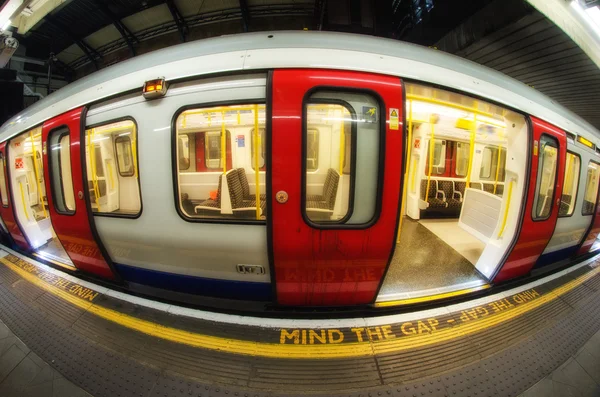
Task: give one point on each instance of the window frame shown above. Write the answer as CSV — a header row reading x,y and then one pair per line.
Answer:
x,y
576,187
382,134
175,159
538,182
84,170
60,175
3,170
598,192
128,138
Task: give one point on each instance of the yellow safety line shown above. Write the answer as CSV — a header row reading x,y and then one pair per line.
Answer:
x,y
37,174
505,217
431,151
223,143
408,154
430,298
23,201
299,351
256,170
497,168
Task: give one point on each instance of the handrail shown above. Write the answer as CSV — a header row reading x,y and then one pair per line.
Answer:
x,y
449,104
223,143
471,151
408,155
37,174
110,174
431,151
505,217
497,168
342,143
92,134
132,140
23,201
257,144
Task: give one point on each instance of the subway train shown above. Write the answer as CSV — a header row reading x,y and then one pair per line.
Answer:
x,y
300,169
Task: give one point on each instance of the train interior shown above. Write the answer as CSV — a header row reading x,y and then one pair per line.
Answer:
x,y
221,162
31,202
111,165
462,194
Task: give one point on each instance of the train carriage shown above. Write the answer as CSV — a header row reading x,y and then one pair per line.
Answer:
x,y
300,169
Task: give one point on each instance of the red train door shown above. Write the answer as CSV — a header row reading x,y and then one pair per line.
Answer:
x,y
543,200
336,159
6,210
590,240
69,211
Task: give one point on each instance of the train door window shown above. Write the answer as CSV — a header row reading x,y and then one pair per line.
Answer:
x,y
546,177
462,158
124,155
183,151
112,169
3,188
438,163
567,200
59,158
261,150
591,189
493,163
340,181
214,189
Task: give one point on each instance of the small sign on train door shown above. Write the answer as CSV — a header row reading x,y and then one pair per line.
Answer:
x,y
394,118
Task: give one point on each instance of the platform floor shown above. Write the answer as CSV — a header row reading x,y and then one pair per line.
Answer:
x,y
501,345
424,264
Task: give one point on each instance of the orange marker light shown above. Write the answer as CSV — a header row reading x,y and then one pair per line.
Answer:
x,y
155,88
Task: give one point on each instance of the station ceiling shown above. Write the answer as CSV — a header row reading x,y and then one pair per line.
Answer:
x,y
80,36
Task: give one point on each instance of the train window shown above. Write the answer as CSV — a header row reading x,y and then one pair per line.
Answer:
x,y
124,151
312,150
217,185
492,166
340,184
438,165
3,188
112,169
261,150
59,159
183,151
546,176
463,151
567,200
591,189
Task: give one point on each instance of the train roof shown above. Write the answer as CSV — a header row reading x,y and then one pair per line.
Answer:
x,y
301,49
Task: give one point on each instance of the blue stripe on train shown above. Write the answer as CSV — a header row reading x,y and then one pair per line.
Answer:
x,y
556,256
229,289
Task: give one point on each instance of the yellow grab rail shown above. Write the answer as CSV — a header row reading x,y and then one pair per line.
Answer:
x,y
223,143
497,168
91,136
471,151
37,175
132,139
257,144
505,217
23,201
408,155
431,151
449,104
342,143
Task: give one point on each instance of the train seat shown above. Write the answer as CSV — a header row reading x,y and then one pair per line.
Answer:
x,y
456,198
436,198
326,202
209,206
240,206
246,186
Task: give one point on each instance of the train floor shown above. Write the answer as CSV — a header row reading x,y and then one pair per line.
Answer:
x,y
66,337
54,251
433,256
